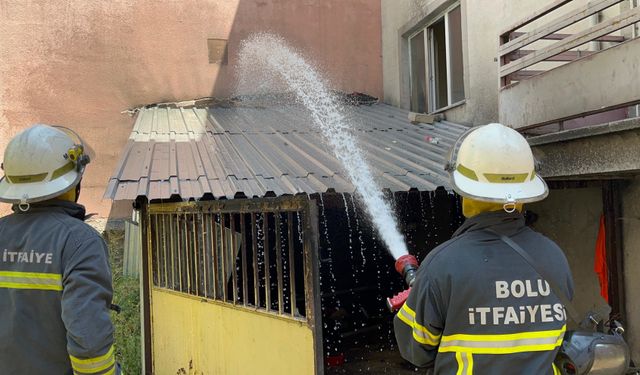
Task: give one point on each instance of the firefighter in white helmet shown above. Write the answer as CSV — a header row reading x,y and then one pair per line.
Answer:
x,y
55,280
476,306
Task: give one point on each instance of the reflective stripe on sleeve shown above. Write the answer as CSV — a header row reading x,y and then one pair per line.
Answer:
x,y
94,365
465,363
420,333
30,280
503,344
555,369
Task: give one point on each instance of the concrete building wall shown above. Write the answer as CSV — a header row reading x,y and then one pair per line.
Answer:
x,y
80,63
482,22
571,218
631,239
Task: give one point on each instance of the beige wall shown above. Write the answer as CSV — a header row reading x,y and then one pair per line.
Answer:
x,y
80,63
631,241
571,218
482,23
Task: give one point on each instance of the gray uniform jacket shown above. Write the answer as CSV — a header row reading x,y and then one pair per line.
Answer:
x,y
55,293
477,307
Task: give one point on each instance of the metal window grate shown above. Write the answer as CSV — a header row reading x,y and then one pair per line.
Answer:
x,y
254,258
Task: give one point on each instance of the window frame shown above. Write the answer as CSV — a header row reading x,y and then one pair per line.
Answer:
x,y
429,67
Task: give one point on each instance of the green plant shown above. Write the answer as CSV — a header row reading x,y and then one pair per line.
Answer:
x,y
126,294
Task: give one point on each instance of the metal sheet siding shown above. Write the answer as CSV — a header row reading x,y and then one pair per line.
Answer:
x,y
226,152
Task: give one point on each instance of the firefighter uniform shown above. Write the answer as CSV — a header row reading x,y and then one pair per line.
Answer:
x,y
477,307
55,293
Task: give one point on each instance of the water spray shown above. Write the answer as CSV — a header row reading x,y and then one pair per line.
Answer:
x,y
266,53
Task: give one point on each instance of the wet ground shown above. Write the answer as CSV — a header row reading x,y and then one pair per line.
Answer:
x,y
360,361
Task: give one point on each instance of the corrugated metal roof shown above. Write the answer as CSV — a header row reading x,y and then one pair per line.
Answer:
x,y
227,152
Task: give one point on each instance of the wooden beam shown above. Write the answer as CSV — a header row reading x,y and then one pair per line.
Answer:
x,y
558,36
535,15
616,23
564,56
559,23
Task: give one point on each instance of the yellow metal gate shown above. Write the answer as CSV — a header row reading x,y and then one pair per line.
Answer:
x,y
232,287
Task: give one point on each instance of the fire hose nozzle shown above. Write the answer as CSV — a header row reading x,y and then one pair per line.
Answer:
x,y
407,266
395,303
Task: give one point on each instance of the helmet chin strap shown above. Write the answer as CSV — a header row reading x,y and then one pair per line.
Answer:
x,y
510,206
24,205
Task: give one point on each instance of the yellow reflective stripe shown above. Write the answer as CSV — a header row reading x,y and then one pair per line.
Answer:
x,y
63,170
468,173
506,178
460,363
465,363
555,369
420,333
502,350
27,179
30,280
508,336
93,365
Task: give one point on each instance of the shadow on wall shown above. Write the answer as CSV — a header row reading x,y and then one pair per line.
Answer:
x,y
82,65
341,38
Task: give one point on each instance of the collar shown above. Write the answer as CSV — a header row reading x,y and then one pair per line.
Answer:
x,y
55,205
500,221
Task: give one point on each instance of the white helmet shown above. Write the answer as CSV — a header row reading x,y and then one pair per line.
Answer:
x,y
40,163
495,164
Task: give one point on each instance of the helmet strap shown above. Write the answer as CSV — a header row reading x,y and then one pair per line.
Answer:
x,y
509,207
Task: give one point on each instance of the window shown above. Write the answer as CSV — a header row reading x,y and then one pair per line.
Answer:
x,y
436,67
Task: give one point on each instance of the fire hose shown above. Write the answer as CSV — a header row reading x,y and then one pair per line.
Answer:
x,y
407,266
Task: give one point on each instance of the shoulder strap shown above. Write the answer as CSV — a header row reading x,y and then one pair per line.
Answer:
x,y
573,314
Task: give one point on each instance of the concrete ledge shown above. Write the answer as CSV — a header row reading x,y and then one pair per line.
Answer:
x,y
609,151
589,131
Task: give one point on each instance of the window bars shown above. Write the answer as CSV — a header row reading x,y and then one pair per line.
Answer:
x,y
252,253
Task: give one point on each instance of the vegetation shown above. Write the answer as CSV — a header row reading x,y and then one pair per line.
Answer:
x,y
126,294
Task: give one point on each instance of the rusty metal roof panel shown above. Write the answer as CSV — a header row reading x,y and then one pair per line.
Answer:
x,y
236,151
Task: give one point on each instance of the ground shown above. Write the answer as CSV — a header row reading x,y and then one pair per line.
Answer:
x,y
126,295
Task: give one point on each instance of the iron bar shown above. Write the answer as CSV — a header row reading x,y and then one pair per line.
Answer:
x,y
254,247
312,280
165,282
214,254
205,278
172,250
243,238
146,281
223,249
278,252
196,255
154,251
234,245
267,266
292,265
187,253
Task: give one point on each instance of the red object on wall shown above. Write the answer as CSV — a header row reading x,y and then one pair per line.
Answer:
x,y
600,262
